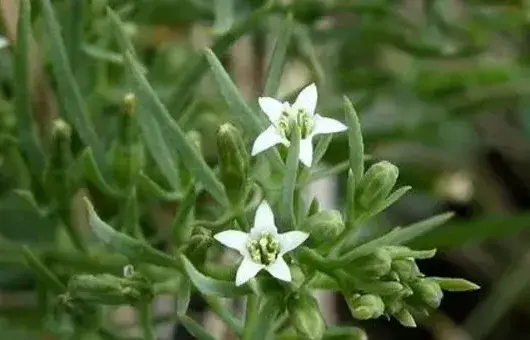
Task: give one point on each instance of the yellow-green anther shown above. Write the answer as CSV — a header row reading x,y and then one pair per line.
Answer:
x,y
264,250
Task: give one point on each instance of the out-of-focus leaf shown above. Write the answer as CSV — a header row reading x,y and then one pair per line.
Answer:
x,y
473,231
74,105
275,71
28,137
194,328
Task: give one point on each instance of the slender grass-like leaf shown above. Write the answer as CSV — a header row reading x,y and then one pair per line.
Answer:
x,y
275,70
148,187
27,133
132,248
210,286
151,105
322,147
474,231
74,32
71,98
260,327
355,141
246,116
194,328
224,15
289,180
395,237
45,275
195,68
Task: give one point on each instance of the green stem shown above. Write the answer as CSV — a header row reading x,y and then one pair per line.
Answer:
x,y
250,315
73,232
146,322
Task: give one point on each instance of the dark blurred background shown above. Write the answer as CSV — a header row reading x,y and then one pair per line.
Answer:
x,y
442,88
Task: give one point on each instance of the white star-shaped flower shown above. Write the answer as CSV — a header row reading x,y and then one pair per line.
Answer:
x,y
263,247
302,113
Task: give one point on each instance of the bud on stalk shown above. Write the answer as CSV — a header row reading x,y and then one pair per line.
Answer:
x,y
306,317
364,307
234,162
323,227
376,185
429,291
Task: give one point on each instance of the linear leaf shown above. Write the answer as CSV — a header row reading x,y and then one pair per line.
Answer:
x,y
210,286
355,140
194,328
245,115
132,248
275,71
71,98
28,137
474,231
151,105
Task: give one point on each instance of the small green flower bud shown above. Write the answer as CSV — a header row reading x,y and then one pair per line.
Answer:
x,y
364,307
60,159
405,318
198,244
393,305
127,154
406,269
110,290
306,317
429,291
323,227
455,285
376,184
386,288
234,162
374,265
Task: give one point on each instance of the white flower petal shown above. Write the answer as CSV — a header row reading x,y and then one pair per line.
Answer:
x,y
267,139
279,269
264,218
307,99
234,239
291,240
325,125
272,108
3,42
306,152
247,270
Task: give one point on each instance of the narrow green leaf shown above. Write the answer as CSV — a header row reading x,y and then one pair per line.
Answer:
x,y
126,245
345,333
350,201
246,117
194,328
44,274
224,15
455,284
474,231
100,54
275,70
209,286
195,68
29,141
150,188
86,165
74,105
395,237
322,147
151,105
355,140
220,309
184,297
391,199
124,42
289,181
74,33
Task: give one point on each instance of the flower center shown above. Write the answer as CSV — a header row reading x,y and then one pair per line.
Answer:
x,y
264,250
296,116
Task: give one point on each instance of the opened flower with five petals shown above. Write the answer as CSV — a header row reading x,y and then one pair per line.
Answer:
x,y
284,116
263,247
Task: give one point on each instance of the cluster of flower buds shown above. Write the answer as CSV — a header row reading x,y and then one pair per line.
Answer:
x,y
389,282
